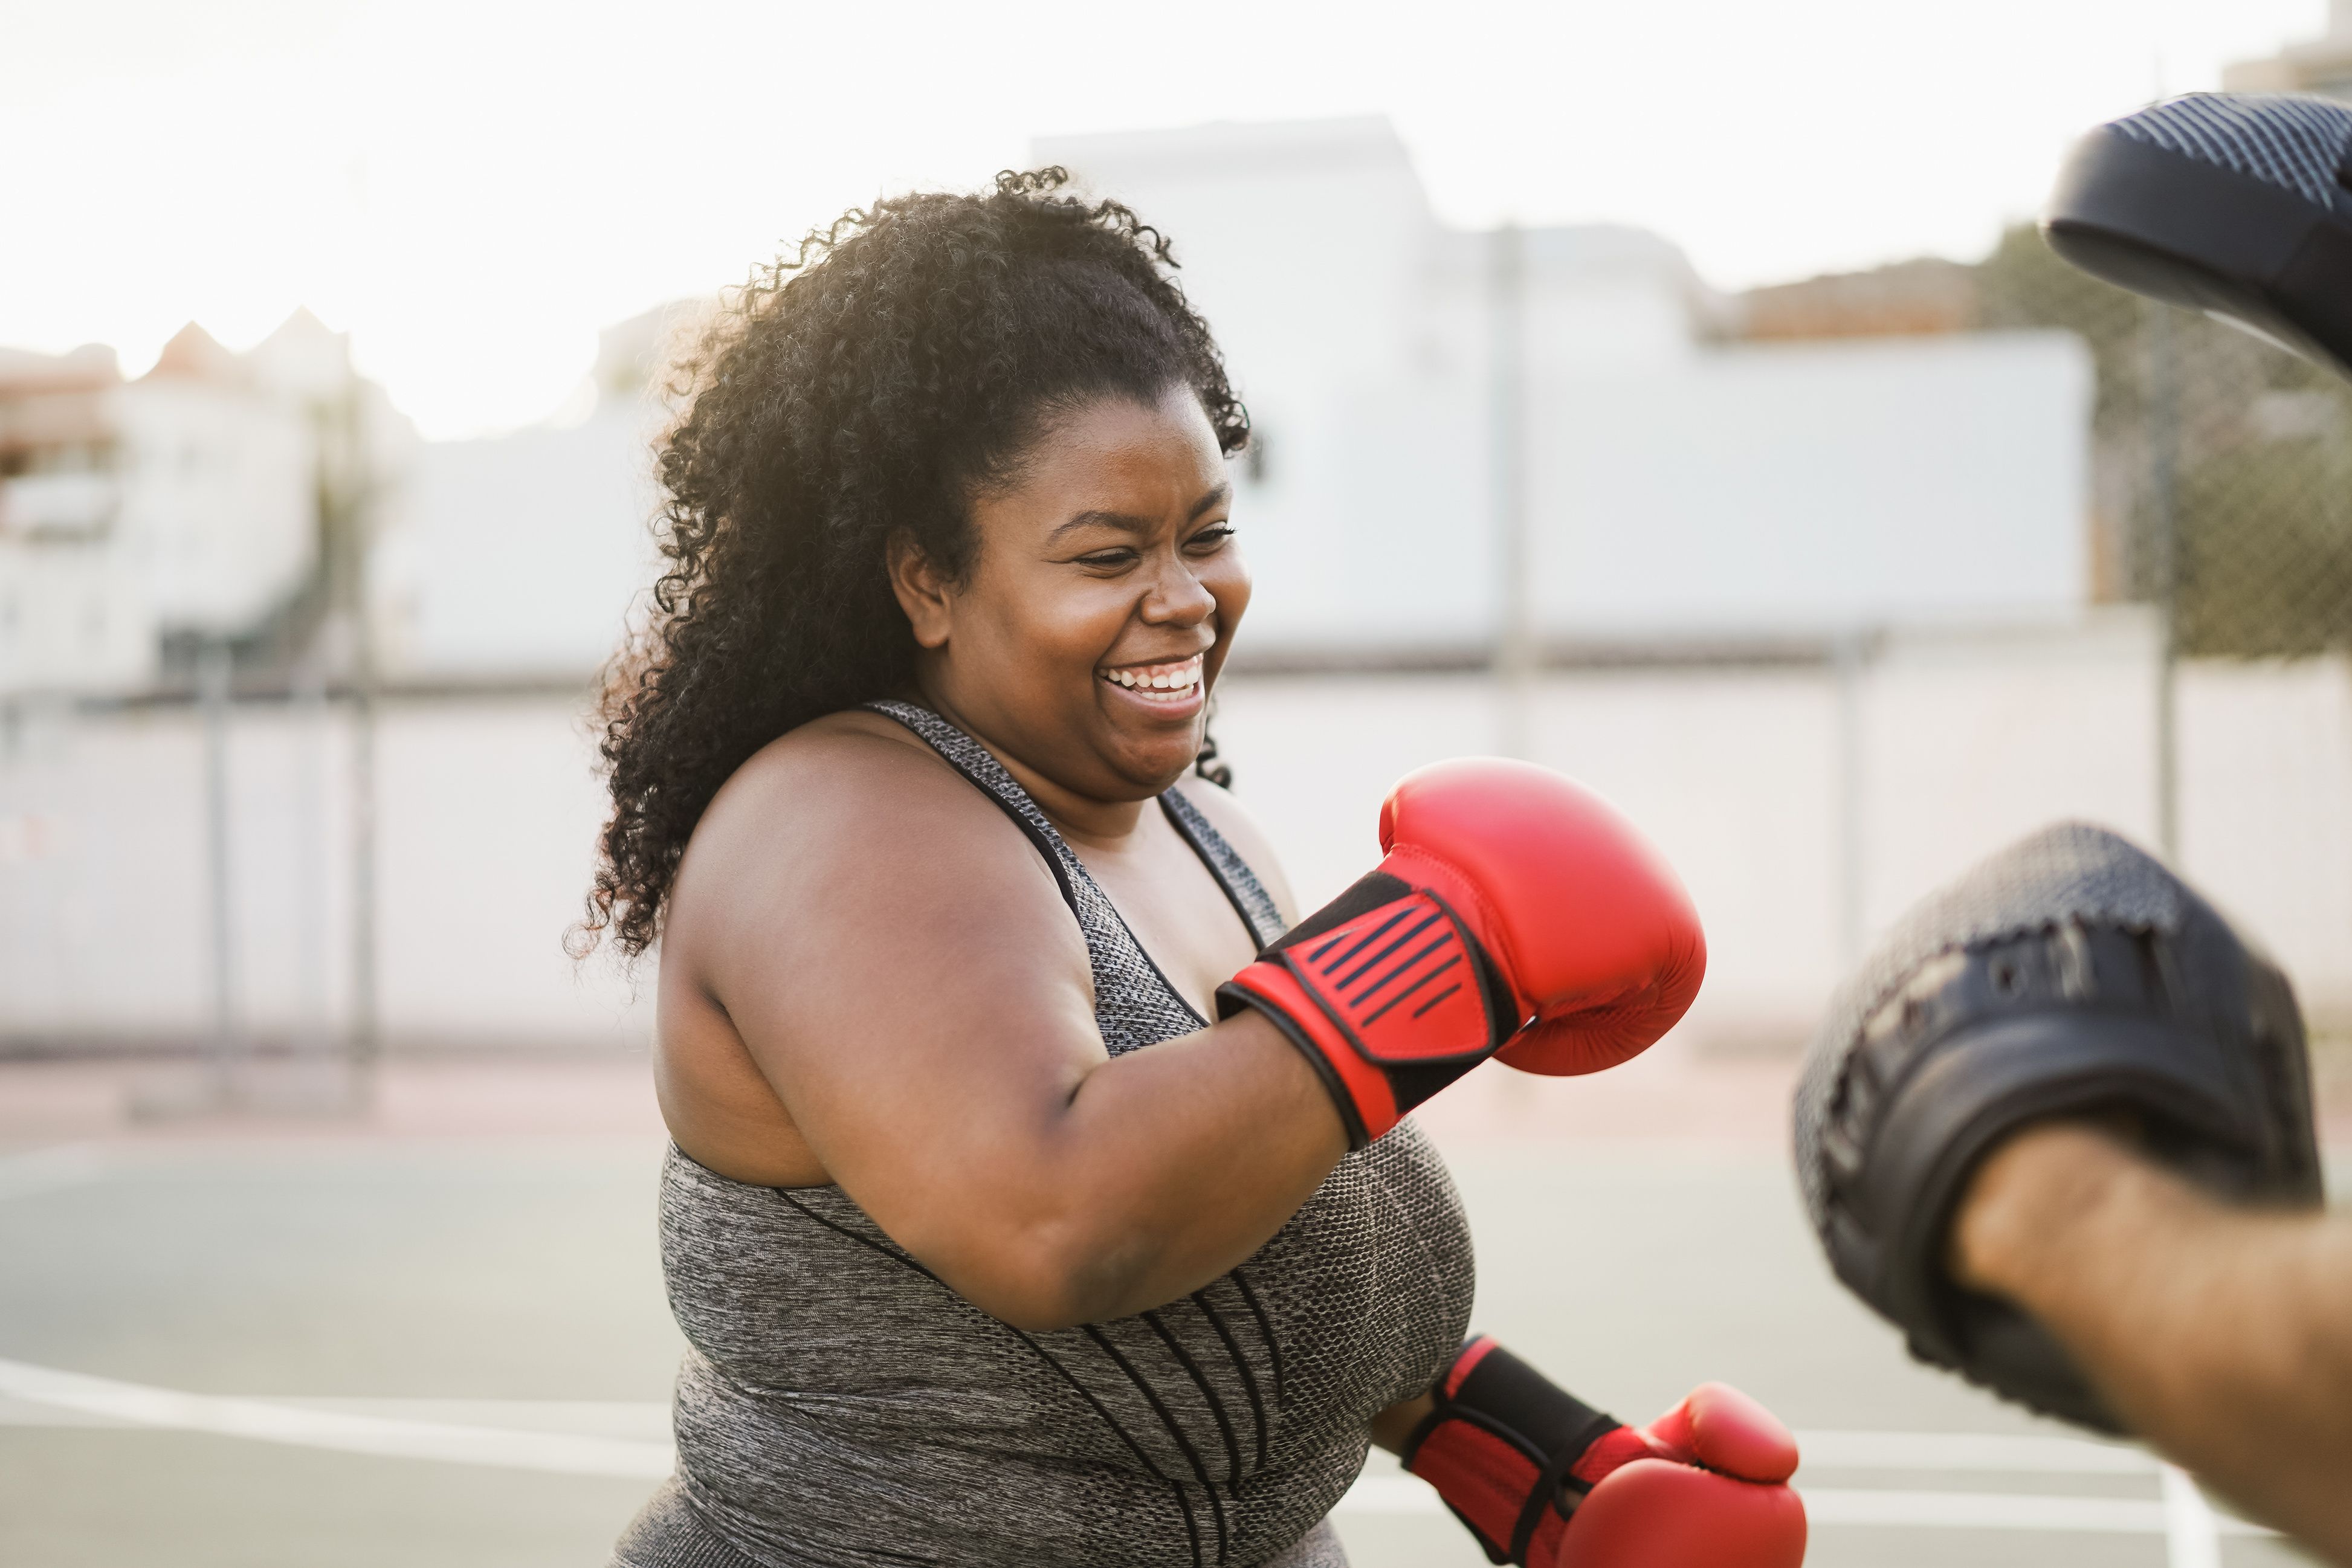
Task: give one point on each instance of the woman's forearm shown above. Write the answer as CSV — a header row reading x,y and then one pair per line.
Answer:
x,y
2223,1336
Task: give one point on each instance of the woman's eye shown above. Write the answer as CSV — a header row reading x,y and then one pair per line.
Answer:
x,y
1210,539
1107,561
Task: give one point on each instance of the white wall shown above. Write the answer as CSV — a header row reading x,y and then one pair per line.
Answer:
x,y
519,555
1797,488
489,810
486,812
1967,740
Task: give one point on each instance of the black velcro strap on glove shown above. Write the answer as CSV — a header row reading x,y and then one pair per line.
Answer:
x,y
1498,1444
2070,974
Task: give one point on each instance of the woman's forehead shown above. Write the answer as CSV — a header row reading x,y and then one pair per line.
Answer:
x,y
1158,455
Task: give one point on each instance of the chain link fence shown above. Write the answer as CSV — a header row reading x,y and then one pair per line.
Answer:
x,y
2221,477
2221,495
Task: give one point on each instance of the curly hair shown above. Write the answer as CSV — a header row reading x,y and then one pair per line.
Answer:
x,y
902,360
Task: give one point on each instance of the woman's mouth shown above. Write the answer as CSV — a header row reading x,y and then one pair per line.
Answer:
x,y
1172,686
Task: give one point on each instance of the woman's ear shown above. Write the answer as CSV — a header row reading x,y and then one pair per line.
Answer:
x,y
921,588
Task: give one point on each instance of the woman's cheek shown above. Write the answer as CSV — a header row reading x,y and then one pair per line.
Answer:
x,y
1229,587
1086,622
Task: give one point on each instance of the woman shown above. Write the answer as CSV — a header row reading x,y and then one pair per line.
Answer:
x,y
969,1274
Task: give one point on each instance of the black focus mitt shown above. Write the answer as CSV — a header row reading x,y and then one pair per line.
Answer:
x,y
2070,974
2234,203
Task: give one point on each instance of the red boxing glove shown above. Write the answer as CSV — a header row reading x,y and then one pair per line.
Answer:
x,y
1544,1481
1618,953
1509,896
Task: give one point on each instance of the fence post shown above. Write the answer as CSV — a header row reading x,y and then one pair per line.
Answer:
x,y
1849,658
213,671
2164,540
1515,640
366,1037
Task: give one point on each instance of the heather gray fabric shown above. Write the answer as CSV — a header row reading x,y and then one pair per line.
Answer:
x,y
666,1534
839,1407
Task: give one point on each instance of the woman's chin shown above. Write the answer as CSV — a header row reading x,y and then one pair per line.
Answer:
x,y
1156,760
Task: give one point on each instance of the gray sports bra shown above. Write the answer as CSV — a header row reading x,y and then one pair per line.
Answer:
x,y
840,1407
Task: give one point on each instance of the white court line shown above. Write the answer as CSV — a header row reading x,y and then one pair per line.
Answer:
x,y
2192,1530
2001,1510
1836,1450
1929,1510
2183,1516
46,1170
559,1452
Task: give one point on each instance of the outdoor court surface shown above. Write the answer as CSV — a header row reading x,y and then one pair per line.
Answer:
x,y
438,1336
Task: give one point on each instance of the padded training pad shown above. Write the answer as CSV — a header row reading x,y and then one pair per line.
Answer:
x,y
2233,203
2071,972
2072,873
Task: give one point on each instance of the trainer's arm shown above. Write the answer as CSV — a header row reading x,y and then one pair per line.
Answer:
x,y
2222,1335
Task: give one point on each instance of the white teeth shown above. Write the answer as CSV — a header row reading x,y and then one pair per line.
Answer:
x,y
1176,678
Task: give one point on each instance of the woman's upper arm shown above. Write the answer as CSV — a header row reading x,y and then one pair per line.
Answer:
x,y
1240,830
897,958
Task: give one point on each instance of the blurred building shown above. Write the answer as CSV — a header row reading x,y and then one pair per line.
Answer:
x,y
517,557
1683,470
189,503
1691,468
2324,65
1912,299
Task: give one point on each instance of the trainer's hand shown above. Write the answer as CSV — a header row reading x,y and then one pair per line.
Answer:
x,y
1543,1479
1510,895
2069,975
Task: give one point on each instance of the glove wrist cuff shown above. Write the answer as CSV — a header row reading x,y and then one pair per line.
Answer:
x,y
1388,991
1502,1445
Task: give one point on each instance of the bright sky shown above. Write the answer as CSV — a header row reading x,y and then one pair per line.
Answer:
x,y
473,188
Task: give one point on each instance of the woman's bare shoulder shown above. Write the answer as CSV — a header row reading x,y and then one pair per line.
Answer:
x,y
1233,822
843,768
857,804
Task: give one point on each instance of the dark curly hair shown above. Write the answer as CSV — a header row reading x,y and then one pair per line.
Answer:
x,y
900,360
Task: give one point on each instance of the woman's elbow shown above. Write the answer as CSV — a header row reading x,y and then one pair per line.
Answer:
x,y
1046,1277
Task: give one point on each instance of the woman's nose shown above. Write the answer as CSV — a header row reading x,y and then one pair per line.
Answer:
x,y
1177,596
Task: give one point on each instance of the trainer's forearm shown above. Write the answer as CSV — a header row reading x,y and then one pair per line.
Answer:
x,y
2223,1336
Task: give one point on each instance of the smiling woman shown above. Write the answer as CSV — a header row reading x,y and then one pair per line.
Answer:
x,y
1109,579
990,1246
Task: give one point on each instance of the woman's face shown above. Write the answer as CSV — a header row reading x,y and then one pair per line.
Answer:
x,y
1101,604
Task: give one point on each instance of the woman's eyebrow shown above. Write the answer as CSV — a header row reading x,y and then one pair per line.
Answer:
x,y
1217,495
1129,524
1099,519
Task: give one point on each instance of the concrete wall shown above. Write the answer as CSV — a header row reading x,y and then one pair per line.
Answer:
x,y
486,810
489,807
518,556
